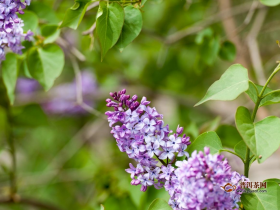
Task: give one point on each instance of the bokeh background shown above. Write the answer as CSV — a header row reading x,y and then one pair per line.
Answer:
x,y
66,155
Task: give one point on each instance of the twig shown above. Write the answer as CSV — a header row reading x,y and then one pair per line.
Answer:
x,y
232,31
13,172
253,45
67,152
62,42
78,76
90,30
93,5
208,21
29,202
79,90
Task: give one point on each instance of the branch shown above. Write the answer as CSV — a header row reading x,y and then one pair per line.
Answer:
x,y
208,21
232,30
79,91
253,45
10,138
90,30
28,202
72,146
68,47
93,5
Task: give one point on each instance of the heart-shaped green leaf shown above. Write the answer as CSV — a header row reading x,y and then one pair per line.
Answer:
x,y
131,28
10,74
109,23
240,149
229,135
208,139
45,64
159,204
231,84
263,200
263,137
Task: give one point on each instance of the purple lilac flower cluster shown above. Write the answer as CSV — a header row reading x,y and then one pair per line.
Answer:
x,y
195,184
11,25
198,183
140,132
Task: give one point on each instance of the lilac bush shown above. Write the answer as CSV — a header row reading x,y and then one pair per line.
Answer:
x,y
11,31
195,183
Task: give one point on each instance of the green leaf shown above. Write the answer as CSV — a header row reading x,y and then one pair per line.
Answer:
x,y
30,21
132,26
232,83
45,64
272,180
263,200
270,2
252,92
159,204
209,51
74,15
227,51
208,139
263,137
3,123
199,39
10,74
109,23
240,149
229,135
273,98
50,32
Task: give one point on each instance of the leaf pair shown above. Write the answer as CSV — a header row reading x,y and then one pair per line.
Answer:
x,y
263,137
117,26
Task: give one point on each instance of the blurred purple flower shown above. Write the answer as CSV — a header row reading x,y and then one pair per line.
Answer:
x,y
62,97
27,86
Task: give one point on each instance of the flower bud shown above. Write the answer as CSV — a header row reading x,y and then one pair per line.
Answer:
x,y
134,98
179,130
143,188
207,150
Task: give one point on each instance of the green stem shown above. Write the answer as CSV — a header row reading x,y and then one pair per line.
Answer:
x,y
162,162
13,176
260,97
225,150
274,91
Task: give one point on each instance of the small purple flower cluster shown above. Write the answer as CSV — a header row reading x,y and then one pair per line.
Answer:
x,y
140,132
198,183
11,25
